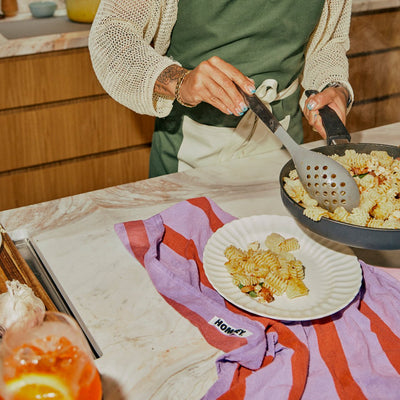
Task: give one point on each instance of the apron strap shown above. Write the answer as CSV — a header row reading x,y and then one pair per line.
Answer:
x,y
205,144
252,135
268,93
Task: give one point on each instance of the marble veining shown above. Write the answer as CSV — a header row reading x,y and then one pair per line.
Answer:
x,y
149,350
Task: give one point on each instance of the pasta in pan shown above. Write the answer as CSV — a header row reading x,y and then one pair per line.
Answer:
x,y
265,273
378,178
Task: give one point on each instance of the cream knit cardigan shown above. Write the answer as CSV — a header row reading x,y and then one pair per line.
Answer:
x,y
129,38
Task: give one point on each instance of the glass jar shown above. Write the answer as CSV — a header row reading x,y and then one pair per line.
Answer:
x,y
9,7
81,10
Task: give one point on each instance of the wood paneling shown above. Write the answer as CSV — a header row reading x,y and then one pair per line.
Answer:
x,y
47,77
61,134
375,75
59,131
374,31
372,114
374,58
62,179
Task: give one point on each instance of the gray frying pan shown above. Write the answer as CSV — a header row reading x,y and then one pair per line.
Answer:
x,y
338,141
351,235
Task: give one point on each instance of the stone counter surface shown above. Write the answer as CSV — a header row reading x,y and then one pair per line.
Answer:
x,y
149,350
70,40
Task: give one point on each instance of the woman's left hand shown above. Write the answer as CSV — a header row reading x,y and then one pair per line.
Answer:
x,y
335,98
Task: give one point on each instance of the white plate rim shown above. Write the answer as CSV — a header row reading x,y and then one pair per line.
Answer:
x,y
340,259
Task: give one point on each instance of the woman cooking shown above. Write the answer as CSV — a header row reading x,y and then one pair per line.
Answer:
x,y
181,61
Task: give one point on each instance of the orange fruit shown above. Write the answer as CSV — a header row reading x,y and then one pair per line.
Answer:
x,y
38,386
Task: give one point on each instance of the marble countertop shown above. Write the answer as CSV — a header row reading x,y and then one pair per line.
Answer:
x,y
70,40
45,43
149,350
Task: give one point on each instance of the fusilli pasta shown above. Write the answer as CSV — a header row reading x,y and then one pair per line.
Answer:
x,y
263,273
378,178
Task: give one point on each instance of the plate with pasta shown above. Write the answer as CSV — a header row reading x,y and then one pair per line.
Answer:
x,y
267,265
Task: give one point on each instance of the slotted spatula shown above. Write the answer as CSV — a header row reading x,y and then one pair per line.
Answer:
x,y
323,178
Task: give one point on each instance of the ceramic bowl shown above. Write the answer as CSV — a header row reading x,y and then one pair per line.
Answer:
x,y
43,9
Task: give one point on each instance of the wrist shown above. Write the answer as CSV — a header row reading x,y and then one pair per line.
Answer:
x,y
178,87
165,85
343,88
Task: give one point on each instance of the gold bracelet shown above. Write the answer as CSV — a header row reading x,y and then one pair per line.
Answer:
x,y
178,90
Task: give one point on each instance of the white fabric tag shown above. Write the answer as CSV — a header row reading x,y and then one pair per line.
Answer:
x,y
228,330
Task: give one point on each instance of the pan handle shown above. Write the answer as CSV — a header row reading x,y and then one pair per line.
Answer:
x,y
336,132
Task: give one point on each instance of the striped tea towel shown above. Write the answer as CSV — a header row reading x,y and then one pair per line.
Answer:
x,y
353,354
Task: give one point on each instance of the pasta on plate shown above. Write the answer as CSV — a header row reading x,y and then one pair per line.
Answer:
x,y
263,273
378,178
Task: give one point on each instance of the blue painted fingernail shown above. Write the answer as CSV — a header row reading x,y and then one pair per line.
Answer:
x,y
243,107
310,105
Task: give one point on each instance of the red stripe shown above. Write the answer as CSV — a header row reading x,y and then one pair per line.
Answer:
x,y
187,249
204,204
138,239
332,353
211,334
139,243
237,390
299,360
388,340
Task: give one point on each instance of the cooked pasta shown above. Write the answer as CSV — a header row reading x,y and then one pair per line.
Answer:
x,y
264,273
378,178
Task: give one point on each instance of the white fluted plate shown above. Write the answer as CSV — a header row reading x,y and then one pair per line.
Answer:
x,y
332,271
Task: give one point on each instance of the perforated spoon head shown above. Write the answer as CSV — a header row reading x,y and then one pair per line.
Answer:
x,y
327,181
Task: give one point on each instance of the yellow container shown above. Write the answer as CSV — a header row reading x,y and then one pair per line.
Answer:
x,y
81,10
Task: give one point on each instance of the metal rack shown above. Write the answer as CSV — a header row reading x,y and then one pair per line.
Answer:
x,y
52,286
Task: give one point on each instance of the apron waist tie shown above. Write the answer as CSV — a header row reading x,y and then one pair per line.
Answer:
x,y
206,145
254,136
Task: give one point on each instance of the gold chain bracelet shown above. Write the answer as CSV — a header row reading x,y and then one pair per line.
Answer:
x,y
178,90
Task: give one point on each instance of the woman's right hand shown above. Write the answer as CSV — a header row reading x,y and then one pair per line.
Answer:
x,y
214,81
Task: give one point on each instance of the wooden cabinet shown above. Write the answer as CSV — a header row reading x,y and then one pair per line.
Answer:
x,y
374,60
61,134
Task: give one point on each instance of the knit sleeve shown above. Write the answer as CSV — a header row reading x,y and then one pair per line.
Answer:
x,y
127,43
326,60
